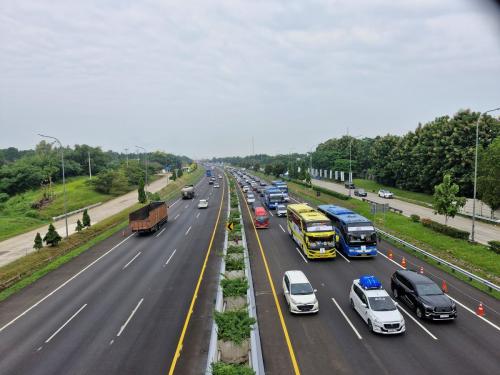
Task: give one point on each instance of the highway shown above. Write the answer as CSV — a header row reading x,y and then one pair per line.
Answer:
x,y
336,340
122,312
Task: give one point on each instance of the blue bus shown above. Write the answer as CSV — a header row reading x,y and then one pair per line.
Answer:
x,y
283,188
272,197
209,173
357,234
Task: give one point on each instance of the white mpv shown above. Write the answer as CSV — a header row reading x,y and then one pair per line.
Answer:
x,y
299,294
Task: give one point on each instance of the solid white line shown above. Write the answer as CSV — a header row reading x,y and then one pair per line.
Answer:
x,y
187,231
126,265
295,200
65,324
418,323
186,206
271,213
175,202
342,255
176,216
346,318
389,259
197,215
284,231
129,318
159,234
170,257
302,255
474,313
63,284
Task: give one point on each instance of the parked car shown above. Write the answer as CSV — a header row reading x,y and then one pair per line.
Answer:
x,y
422,295
280,210
203,203
349,185
360,193
299,294
385,194
375,306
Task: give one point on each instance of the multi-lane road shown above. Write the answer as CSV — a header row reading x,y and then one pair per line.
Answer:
x,y
121,308
336,340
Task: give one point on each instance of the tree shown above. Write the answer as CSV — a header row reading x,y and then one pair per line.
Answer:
x,y
141,193
279,169
38,242
268,169
308,177
119,185
86,219
52,238
174,176
446,202
79,226
179,172
488,182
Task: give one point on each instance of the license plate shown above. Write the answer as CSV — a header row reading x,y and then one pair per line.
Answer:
x,y
322,250
391,330
444,316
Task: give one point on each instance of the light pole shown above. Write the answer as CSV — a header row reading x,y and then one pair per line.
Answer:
x,y
142,148
126,153
475,173
63,177
350,161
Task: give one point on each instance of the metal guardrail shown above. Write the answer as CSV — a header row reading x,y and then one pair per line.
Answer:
x,y
453,267
56,218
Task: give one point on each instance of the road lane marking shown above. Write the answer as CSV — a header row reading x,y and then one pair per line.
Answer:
x,y
172,205
65,324
271,213
347,318
302,255
159,234
342,255
170,257
63,284
187,231
288,341
131,260
129,318
197,215
284,231
186,206
176,216
180,343
454,299
418,323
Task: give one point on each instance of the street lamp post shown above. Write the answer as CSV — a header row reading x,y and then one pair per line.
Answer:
x,y
472,237
126,154
63,177
142,148
350,162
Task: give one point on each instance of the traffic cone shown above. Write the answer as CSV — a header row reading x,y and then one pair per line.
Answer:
x,y
480,309
389,254
403,263
421,270
444,287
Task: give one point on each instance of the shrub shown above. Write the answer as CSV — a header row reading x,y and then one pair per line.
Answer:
x,y
233,326
235,249
221,368
234,287
495,246
234,235
52,237
415,218
4,197
445,229
234,264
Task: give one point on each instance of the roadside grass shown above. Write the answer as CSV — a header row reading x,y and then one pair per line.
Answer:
x,y
26,270
475,258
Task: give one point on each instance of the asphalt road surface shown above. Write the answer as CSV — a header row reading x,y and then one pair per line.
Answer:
x,y
337,340
124,311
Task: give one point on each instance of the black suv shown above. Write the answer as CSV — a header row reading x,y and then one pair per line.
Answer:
x,y
422,295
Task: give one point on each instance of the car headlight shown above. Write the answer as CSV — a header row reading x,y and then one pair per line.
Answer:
x,y
428,308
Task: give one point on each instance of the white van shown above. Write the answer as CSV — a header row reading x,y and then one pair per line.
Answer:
x,y
299,294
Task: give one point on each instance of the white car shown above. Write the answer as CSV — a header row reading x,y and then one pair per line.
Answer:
x,y
203,203
245,188
280,210
375,306
220,177
250,198
216,185
299,294
385,194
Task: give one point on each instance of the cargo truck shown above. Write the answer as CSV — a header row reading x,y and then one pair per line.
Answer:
x,y
187,192
148,218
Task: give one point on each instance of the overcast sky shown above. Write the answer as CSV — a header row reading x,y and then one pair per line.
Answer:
x,y
201,77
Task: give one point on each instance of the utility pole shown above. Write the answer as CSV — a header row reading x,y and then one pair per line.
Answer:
x,y
90,168
142,148
126,153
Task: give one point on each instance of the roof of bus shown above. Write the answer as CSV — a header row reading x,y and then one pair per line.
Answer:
x,y
301,207
260,211
344,214
306,212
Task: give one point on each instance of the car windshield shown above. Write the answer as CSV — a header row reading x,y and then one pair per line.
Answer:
x,y
384,303
301,289
428,289
281,207
203,201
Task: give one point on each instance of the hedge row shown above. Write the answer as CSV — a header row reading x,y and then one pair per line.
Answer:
x,y
445,229
495,246
321,190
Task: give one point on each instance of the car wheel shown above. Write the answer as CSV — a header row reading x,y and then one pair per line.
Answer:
x,y
370,326
419,313
395,293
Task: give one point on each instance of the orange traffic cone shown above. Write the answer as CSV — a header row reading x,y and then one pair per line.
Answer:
x,y
444,287
480,309
403,262
389,254
421,270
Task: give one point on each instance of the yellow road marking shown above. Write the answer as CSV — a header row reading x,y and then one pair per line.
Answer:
x,y
195,294
278,307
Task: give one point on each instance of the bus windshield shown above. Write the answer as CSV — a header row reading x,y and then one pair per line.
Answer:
x,y
276,198
361,234
319,226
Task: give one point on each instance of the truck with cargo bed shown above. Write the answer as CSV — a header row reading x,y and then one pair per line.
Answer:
x,y
187,192
149,218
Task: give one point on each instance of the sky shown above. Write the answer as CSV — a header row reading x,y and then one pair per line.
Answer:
x,y
202,78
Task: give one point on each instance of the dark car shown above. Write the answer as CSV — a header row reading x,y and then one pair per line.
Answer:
x,y
349,185
360,193
422,295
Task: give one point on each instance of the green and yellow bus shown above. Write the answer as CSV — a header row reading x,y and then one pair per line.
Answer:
x,y
312,231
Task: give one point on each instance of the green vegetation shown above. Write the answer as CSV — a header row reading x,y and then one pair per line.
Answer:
x,y
495,246
374,187
489,175
234,287
222,368
235,249
234,326
86,219
38,243
52,238
445,200
445,229
234,264
141,193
